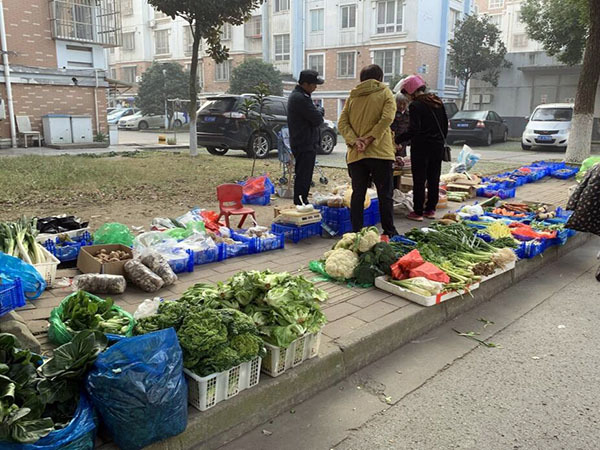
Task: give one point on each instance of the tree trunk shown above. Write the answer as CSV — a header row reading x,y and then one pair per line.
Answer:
x,y
580,137
464,97
193,91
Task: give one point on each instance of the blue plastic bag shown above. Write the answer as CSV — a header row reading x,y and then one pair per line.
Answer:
x,y
138,387
80,434
11,268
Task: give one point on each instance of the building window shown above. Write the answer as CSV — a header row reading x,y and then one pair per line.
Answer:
x,y
316,20
129,74
348,16
347,65
390,61
532,58
281,5
129,41
317,62
161,42
496,19
282,47
450,80
520,41
495,4
126,7
113,73
226,32
390,16
253,27
453,18
222,71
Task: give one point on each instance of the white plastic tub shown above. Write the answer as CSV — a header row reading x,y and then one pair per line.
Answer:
x,y
278,359
383,284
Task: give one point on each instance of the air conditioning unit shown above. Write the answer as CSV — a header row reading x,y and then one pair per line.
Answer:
x,y
152,23
486,98
138,79
476,98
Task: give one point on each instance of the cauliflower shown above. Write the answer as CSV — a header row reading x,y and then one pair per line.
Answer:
x,y
348,241
369,237
341,263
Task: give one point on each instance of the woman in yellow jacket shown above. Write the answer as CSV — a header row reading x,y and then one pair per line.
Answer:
x,y
365,125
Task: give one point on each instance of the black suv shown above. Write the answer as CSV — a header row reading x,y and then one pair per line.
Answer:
x,y
222,126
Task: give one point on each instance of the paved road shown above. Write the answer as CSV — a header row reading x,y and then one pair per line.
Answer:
x,y
540,390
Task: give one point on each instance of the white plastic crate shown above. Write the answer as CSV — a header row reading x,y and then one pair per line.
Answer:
x,y
43,237
497,272
383,284
206,392
278,359
47,269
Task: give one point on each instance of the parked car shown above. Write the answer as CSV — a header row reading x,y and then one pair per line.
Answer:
x,y
222,126
480,126
120,113
140,121
451,109
548,126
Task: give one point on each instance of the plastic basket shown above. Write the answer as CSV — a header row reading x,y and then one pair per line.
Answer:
x,y
297,233
183,263
227,251
260,200
565,174
73,234
11,295
497,192
278,360
68,251
260,245
206,256
48,269
341,228
336,215
206,392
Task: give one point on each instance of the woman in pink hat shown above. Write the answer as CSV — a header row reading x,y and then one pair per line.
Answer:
x,y
428,127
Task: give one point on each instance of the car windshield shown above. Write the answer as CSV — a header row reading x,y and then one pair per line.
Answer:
x,y
552,114
219,105
474,115
115,114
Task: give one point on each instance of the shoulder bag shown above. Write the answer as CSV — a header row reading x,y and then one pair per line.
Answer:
x,y
447,152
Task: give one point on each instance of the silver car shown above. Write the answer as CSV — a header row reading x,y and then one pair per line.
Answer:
x,y
140,121
548,126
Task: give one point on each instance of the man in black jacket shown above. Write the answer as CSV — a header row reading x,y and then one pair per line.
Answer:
x,y
304,120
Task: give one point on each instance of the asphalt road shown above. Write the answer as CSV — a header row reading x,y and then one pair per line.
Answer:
x,y
539,389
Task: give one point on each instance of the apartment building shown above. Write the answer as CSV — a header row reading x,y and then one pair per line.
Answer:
x,y
335,37
56,60
534,77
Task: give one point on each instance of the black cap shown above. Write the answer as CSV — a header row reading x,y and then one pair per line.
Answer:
x,y
311,77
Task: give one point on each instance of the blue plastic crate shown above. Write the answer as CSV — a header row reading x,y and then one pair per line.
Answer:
x,y
296,233
260,245
335,215
260,200
496,191
567,172
11,295
68,251
206,256
228,251
184,263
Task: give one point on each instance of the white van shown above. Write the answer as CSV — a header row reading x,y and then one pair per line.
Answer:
x,y
548,126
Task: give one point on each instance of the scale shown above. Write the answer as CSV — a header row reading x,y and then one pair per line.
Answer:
x,y
298,218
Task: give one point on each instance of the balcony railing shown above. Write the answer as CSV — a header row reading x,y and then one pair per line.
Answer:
x,y
89,21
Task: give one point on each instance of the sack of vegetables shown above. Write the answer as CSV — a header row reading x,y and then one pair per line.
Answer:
x,y
83,311
138,387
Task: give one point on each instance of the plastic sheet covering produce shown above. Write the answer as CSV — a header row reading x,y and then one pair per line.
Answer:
x,y
138,387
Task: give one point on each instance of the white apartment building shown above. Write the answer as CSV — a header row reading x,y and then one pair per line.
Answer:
x,y
335,37
534,77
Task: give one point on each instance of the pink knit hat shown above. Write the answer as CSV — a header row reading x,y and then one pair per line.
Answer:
x,y
411,84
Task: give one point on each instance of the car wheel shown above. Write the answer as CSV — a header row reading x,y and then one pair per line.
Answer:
x,y
489,139
143,125
525,146
327,143
259,146
505,136
217,151
177,123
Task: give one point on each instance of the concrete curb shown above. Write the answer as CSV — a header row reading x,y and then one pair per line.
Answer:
x,y
238,415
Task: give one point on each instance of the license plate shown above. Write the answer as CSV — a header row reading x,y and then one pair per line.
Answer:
x,y
462,125
210,119
545,138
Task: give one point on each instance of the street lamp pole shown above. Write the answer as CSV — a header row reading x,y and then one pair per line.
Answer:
x,y
165,93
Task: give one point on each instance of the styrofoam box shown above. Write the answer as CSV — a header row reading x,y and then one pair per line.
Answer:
x,y
206,392
47,269
383,283
508,268
278,359
43,237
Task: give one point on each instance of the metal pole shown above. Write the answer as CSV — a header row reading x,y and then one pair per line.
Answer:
x,y
9,97
166,107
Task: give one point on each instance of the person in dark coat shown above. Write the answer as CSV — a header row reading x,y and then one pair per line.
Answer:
x,y
400,125
304,121
428,127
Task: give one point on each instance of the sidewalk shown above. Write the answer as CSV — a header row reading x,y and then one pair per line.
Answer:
x,y
364,325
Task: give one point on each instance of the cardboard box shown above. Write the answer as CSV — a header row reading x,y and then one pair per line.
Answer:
x,y
86,262
471,190
474,181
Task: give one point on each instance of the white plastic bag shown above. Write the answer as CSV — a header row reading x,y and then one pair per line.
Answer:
x,y
148,308
466,160
471,210
198,242
402,202
152,240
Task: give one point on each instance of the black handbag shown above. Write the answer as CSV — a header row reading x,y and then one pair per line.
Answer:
x,y
447,151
